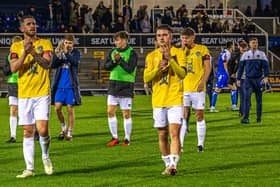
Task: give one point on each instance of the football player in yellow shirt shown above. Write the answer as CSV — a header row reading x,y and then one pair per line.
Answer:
x,y
31,58
166,68
198,70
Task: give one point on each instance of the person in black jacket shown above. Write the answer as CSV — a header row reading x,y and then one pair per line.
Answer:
x,y
122,63
65,87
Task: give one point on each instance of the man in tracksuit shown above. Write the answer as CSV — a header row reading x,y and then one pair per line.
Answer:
x,y
256,71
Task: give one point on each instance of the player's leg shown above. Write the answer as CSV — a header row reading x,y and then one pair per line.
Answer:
x,y
175,115
42,114
13,103
71,121
186,116
112,102
184,128
161,123
59,100
198,105
233,94
214,99
222,81
126,106
27,121
70,102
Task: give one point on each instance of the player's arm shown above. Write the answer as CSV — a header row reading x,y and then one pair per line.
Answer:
x,y
207,71
150,71
109,64
44,59
226,60
16,63
178,70
131,64
75,58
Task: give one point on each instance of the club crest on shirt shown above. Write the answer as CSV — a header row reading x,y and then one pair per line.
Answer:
x,y
40,48
197,53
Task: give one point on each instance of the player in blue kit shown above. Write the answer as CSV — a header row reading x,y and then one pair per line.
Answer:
x,y
222,75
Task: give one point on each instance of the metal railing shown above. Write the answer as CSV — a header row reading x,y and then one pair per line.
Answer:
x,y
274,61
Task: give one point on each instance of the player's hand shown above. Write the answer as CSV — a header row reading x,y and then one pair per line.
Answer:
x,y
162,64
200,87
117,57
238,83
265,80
28,47
165,50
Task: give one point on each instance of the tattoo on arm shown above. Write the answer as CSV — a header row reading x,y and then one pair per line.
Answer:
x,y
44,63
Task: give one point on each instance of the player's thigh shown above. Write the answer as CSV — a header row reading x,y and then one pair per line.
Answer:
x,y
25,111
42,108
60,96
13,100
198,100
125,103
160,117
187,99
175,114
70,98
112,100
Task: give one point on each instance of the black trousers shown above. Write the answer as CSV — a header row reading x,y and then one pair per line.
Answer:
x,y
253,85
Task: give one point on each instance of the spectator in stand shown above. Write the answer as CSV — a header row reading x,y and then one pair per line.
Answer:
x,y
172,13
119,26
185,20
58,12
141,12
248,11
220,9
50,17
126,23
135,25
181,11
166,18
199,8
267,12
145,24
127,11
89,22
73,17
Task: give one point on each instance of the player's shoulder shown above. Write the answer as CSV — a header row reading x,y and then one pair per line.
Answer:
x,y
17,45
45,41
153,53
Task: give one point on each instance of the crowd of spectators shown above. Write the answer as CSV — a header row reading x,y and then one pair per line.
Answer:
x,y
61,17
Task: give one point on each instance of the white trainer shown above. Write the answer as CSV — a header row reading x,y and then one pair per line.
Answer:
x,y
212,109
25,174
48,166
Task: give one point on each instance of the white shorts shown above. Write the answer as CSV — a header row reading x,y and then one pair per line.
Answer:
x,y
13,100
124,102
195,99
32,109
165,116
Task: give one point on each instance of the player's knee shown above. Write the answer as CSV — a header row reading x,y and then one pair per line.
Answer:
x,y
110,113
57,110
28,131
199,116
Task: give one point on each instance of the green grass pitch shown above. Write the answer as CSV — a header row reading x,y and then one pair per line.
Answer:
x,y
235,154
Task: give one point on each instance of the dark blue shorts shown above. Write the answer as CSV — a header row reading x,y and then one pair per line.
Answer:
x,y
222,80
64,96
